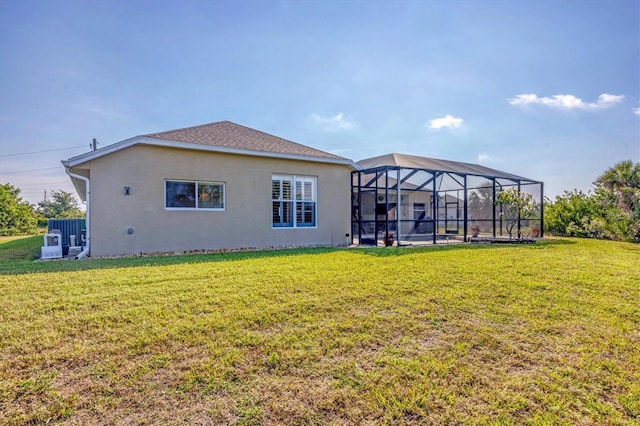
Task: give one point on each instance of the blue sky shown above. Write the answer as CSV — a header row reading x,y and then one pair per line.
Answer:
x,y
549,90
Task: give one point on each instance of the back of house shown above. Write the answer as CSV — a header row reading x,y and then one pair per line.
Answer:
x,y
209,187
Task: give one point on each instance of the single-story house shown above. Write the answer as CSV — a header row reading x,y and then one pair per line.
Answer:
x,y
214,186
225,186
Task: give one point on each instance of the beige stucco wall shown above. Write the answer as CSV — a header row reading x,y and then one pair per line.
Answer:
x,y
245,222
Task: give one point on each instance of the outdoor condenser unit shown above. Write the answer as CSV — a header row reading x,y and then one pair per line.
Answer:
x,y
52,248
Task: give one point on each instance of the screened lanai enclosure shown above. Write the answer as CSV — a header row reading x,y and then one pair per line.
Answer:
x,y
403,199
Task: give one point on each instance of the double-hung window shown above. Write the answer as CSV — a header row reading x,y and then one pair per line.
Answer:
x,y
194,195
293,201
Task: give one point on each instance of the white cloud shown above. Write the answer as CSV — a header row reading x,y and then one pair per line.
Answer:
x,y
636,111
446,121
335,124
606,101
567,101
483,157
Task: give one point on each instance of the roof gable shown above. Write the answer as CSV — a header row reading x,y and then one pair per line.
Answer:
x,y
231,135
224,137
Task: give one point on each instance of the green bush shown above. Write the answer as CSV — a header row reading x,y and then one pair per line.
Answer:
x,y
611,212
17,217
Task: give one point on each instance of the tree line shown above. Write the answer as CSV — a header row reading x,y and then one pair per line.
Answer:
x,y
18,217
610,211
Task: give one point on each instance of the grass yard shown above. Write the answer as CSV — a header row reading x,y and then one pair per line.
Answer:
x,y
16,249
540,334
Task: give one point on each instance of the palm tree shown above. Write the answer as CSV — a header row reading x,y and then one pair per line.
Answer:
x,y
623,180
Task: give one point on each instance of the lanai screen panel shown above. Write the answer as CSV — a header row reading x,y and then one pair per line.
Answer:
x,y
417,210
450,189
532,225
529,223
480,206
365,190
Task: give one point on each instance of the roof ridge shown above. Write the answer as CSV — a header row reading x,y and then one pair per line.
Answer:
x,y
268,134
189,127
232,135
251,129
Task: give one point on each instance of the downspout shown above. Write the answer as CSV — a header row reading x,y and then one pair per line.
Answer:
x,y
398,207
466,210
84,252
541,209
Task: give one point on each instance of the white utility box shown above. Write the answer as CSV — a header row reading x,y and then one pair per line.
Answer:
x,y
52,248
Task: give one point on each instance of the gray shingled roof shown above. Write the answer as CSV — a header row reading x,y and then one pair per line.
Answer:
x,y
416,162
230,135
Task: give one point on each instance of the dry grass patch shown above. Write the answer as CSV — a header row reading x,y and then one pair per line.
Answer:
x,y
544,334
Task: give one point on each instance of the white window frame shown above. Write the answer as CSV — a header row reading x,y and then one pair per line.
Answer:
x,y
296,200
197,183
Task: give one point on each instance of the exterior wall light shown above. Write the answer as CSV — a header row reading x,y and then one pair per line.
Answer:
x,y
127,190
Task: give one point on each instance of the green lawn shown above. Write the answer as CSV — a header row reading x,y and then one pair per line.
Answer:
x,y
16,249
536,334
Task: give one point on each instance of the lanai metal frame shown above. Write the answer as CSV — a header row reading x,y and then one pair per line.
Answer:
x,y
406,199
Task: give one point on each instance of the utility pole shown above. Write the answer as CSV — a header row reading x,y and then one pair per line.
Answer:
x,y
94,144
45,195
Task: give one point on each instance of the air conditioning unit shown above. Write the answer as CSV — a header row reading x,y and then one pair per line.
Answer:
x,y
52,248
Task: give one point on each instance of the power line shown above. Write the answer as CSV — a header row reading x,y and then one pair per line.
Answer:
x,y
40,152
25,171
42,184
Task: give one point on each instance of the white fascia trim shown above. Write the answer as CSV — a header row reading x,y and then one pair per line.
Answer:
x,y
143,140
227,150
91,155
75,181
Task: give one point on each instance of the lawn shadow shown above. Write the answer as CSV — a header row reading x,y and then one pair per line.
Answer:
x,y
144,260
408,249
